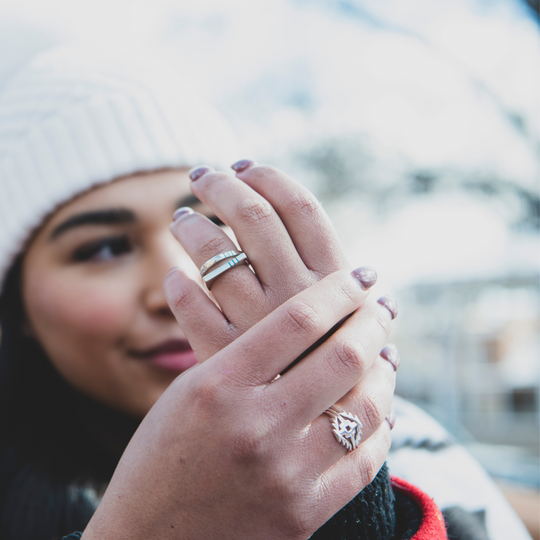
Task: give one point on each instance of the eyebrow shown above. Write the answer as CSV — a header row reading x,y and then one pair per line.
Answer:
x,y
109,216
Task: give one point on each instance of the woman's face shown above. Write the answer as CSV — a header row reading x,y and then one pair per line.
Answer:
x,y
92,290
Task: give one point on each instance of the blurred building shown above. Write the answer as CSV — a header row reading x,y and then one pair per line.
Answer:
x,y
471,356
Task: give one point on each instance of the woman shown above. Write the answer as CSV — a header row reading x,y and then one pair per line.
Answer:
x,y
234,440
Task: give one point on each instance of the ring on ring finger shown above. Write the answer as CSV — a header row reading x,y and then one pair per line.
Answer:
x,y
211,276
205,268
346,427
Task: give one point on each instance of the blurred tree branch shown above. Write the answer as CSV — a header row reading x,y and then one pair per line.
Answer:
x,y
534,5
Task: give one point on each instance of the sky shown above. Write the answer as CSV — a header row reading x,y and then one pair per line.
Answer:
x,y
424,84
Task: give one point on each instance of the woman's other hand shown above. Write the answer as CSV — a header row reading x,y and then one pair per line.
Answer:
x,y
229,451
287,236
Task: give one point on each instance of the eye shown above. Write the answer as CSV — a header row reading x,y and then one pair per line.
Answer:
x,y
103,250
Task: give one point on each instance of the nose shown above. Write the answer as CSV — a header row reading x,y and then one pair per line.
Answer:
x,y
164,255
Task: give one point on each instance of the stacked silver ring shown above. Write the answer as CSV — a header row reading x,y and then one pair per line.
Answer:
x,y
235,258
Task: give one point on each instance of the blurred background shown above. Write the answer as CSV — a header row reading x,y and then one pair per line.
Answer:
x,y
417,124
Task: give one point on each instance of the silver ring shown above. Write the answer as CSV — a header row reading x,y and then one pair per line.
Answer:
x,y
347,427
209,263
223,268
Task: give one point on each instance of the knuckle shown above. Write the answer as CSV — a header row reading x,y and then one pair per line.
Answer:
x,y
382,320
349,357
212,246
372,413
180,297
369,469
255,210
266,172
301,319
284,482
211,180
248,446
208,396
349,290
299,204
389,375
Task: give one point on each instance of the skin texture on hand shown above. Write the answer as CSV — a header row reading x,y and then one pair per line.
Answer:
x,y
225,453
229,451
288,237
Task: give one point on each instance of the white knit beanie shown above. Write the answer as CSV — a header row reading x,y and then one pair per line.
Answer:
x,y
75,117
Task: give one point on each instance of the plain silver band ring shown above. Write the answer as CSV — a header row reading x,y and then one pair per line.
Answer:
x,y
223,268
347,427
209,263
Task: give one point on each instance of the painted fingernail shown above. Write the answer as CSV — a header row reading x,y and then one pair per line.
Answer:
x,y
197,172
391,417
366,275
391,353
390,304
243,165
181,212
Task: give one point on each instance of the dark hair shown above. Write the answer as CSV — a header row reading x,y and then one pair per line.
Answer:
x,y
54,458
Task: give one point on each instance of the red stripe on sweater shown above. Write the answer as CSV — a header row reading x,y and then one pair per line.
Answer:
x,y
432,526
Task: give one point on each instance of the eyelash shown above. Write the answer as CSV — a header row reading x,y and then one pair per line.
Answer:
x,y
117,246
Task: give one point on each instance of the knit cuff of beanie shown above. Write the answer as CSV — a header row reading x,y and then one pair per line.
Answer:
x,y
75,117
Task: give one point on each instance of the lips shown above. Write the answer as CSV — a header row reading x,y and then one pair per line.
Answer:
x,y
174,355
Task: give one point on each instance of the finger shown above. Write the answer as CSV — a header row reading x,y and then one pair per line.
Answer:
x,y
203,324
271,345
370,401
307,223
237,291
335,367
356,470
258,228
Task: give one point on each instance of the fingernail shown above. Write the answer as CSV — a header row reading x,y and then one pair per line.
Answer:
x,y
243,165
197,172
181,212
391,353
391,418
390,304
366,275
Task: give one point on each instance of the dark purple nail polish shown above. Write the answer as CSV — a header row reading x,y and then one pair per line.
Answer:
x,y
181,212
391,353
243,165
390,304
391,418
197,172
366,275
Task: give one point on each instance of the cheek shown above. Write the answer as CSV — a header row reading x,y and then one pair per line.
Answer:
x,y
97,310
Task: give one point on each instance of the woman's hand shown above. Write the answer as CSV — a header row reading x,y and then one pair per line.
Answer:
x,y
227,453
283,229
